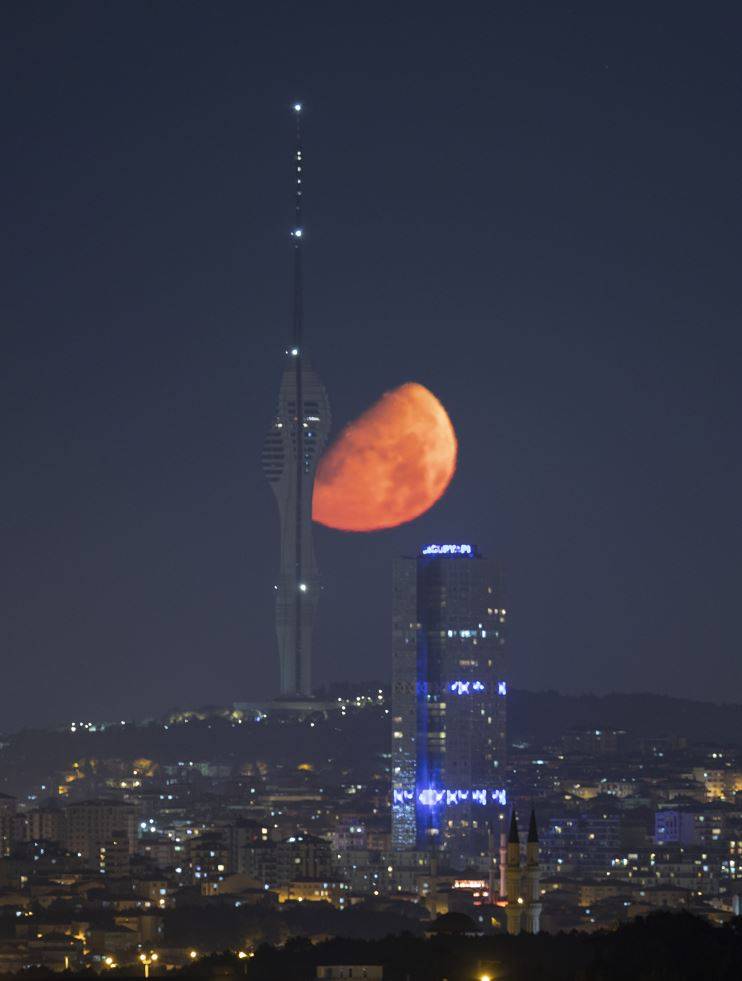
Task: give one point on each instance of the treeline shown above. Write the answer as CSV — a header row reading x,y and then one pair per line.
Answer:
x,y
661,947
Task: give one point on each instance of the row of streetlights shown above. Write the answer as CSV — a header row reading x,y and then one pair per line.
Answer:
x,y
150,959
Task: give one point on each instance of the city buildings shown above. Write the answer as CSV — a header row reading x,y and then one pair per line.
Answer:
x,y
242,828
449,692
7,815
290,453
95,824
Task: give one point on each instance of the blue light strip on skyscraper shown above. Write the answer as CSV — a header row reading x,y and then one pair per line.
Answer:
x,y
470,687
465,687
435,796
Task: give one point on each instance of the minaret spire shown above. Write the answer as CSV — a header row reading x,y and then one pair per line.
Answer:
x,y
514,908
533,829
532,879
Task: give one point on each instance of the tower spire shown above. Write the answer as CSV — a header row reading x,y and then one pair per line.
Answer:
x,y
298,338
290,454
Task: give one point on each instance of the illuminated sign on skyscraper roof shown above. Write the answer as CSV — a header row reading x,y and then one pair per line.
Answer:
x,y
448,550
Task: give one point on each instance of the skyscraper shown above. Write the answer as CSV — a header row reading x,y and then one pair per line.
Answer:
x,y
291,450
448,701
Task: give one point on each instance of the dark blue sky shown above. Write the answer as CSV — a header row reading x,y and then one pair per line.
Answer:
x,y
532,208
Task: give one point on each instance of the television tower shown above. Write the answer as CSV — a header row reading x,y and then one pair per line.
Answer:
x,y
290,453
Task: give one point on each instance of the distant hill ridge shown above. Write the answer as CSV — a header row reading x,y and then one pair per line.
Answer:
x,y
540,716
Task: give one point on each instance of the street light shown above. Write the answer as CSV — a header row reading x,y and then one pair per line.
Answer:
x,y
147,960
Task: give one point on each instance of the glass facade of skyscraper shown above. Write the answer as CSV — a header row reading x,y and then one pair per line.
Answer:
x,y
449,694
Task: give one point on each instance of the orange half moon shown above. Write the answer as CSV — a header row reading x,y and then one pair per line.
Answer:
x,y
389,466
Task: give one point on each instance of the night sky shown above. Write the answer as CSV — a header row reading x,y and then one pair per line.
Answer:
x,y
533,209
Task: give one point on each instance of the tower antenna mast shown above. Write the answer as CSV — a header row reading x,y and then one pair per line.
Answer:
x,y
297,234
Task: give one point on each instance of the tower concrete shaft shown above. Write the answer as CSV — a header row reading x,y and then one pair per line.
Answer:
x,y
298,586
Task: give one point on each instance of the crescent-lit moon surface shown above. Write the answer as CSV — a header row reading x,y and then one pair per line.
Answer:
x,y
389,466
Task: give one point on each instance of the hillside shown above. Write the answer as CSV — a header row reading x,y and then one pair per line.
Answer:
x,y
539,716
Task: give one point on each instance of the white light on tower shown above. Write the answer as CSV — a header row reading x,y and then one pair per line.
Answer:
x,y
297,107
